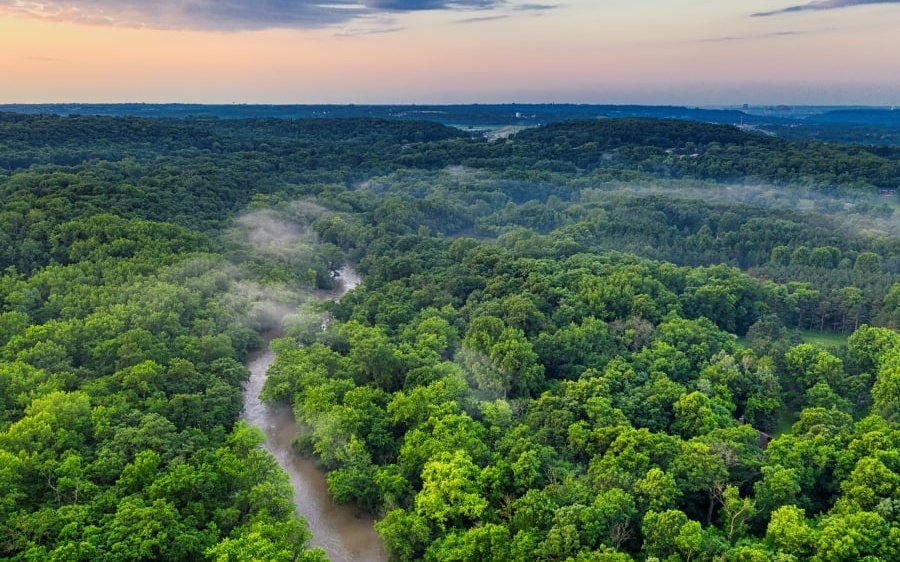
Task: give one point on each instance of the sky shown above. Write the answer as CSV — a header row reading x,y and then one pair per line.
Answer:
x,y
697,52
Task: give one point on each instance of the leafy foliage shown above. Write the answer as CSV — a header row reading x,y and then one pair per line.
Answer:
x,y
537,367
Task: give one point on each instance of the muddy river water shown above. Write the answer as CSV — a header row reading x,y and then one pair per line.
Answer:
x,y
346,534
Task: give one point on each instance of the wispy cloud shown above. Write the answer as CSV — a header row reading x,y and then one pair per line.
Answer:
x,y
478,19
535,7
823,5
531,8
729,38
417,5
374,31
231,15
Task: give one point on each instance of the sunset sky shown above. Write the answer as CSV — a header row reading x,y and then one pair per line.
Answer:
x,y
697,52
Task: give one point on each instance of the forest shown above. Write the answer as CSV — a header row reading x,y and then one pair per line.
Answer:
x,y
597,340
875,126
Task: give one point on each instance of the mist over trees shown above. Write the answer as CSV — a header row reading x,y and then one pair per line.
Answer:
x,y
614,339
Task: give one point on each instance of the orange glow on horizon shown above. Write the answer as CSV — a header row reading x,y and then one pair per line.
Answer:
x,y
565,55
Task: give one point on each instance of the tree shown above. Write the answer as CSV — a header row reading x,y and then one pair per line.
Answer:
x,y
886,391
781,255
779,486
669,533
405,534
612,514
355,481
789,532
576,347
251,476
451,491
736,512
856,536
372,355
868,262
657,490
500,359
488,543
870,484
698,469
140,531
811,365
630,456
268,541
693,415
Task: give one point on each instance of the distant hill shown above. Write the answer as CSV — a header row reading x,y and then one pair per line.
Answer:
x,y
869,116
659,133
461,115
861,125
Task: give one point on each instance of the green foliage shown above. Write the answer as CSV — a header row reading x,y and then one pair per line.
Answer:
x,y
451,491
539,365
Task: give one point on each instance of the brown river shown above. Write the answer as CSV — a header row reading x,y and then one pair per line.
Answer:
x,y
346,534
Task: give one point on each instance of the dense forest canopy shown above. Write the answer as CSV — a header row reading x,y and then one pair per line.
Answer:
x,y
595,340
876,126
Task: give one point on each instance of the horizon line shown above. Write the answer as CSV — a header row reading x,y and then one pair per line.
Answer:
x,y
734,105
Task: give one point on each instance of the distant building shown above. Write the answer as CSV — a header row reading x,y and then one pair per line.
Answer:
x,y
887,192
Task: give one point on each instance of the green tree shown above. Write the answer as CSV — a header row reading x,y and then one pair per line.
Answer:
x,y
451,491
789,532
405,535
657,490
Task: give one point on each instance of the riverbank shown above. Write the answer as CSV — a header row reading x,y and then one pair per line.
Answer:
x,y
346,534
